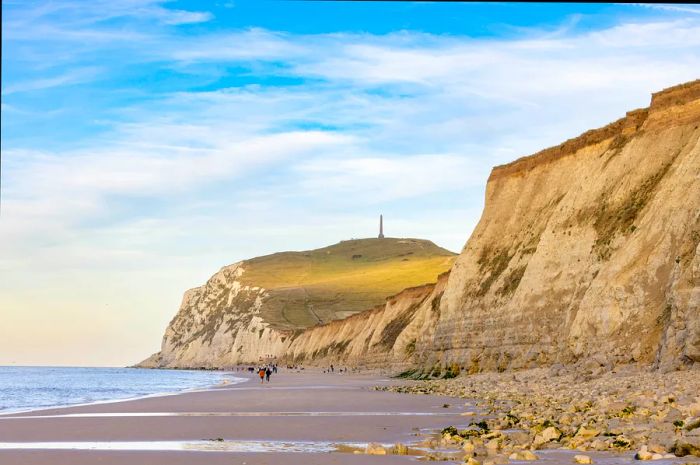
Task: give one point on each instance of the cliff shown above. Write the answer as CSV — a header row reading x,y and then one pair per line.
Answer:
x,y
384,336
587,252
254,309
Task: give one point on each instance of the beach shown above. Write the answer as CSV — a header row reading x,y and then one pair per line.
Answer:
x,y
312,417
297,418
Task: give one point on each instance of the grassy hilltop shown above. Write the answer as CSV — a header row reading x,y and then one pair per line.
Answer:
x,y
317,286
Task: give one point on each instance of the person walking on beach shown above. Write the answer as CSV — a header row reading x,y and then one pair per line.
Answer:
x,y
261,373
268,372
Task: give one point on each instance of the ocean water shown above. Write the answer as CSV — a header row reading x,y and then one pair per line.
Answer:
x,y
23,388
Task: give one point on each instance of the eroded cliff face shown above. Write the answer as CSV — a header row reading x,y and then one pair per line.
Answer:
x,y
257,309
384,336
586,251
219,325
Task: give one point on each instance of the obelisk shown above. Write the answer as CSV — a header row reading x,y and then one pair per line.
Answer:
x,y
381,227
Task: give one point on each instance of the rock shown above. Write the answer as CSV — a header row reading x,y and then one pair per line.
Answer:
x,y
656,449
375,449
557,369
468,447
643,454
520,437
661,441
565,419
525,404
497,460
492,446
688,444
523,455
586,433
582,459
622,442
672,415
599,445
694,408
399,449
546,435
472,461
692,424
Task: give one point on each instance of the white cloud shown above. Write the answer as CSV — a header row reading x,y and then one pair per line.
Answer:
x,y
377,180
176,17
248,45
406,123
72,77
57,191
672,8
448,108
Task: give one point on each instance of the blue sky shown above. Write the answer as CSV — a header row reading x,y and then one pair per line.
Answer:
x,y
147,143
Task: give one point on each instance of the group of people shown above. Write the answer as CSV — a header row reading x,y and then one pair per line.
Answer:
x,y
331,369
264,371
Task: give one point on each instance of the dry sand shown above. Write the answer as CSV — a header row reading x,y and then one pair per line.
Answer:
x,y
315,408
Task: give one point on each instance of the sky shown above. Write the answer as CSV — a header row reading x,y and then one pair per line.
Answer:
x,y
147,143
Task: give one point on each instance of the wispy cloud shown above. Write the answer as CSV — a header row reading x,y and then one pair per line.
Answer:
x,y
76,76
220,144
376,180
71,13
411,113
672,8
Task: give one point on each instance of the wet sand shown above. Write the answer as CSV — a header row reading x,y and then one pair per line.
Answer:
x,y
308,412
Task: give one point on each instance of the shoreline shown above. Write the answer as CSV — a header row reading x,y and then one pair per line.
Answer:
x,y
297,418
9,412
313,417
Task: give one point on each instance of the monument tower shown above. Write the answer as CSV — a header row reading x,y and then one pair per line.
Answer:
x,y
381,227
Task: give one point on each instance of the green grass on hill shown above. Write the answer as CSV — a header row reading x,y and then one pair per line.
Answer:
x,y
317,286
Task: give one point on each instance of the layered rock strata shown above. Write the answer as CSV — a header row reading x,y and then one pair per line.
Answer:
x,y
585,252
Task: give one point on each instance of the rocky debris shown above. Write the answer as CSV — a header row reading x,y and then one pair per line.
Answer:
x,y
584,459
688,443
643,454
399,449
649,413
549,434
375,449
523,455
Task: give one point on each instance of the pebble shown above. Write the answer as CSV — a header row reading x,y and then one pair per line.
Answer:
x,y
620,409
375,449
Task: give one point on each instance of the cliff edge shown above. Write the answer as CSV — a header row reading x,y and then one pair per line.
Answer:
x,y
587,252
254,309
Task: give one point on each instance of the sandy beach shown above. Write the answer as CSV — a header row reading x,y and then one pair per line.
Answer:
x,y
298,418
316,418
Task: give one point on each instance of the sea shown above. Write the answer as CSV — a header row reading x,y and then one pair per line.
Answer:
x,y
27,388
